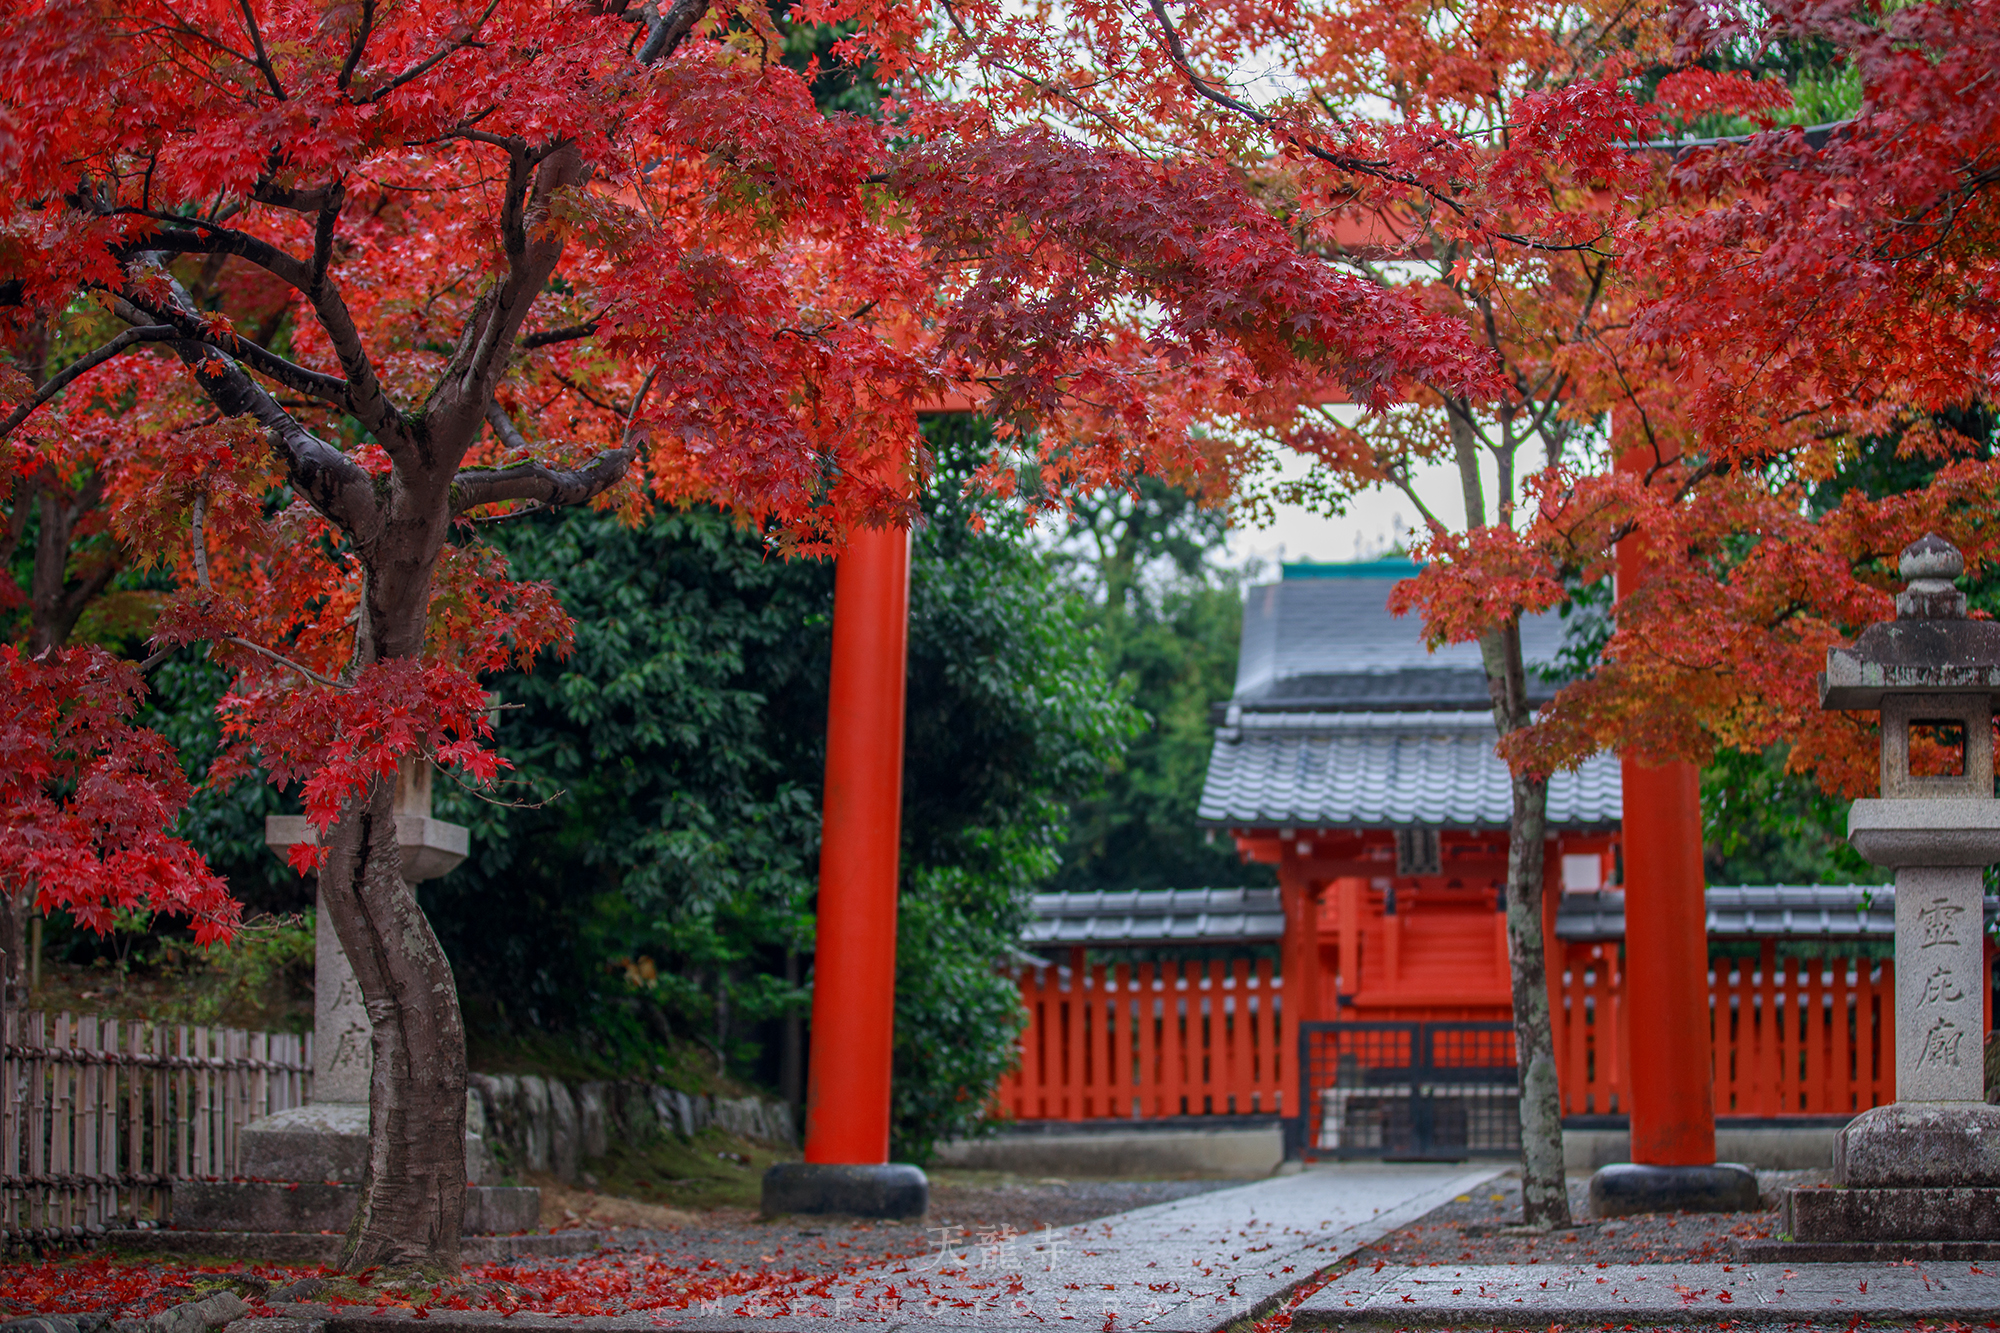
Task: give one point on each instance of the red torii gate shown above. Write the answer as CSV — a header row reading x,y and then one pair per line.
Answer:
x,y
846,1167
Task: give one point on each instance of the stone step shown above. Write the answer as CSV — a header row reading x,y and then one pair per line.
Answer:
x,y
282,1206
1933,1213
1541,1296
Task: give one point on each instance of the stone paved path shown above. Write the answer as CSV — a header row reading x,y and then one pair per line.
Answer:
x,y
1189,1266
1518,1295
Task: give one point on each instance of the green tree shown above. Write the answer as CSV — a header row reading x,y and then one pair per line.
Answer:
x,y
655,900
1013,719
1169,617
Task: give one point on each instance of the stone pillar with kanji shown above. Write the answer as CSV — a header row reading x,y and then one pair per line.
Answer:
x,y
1920,1178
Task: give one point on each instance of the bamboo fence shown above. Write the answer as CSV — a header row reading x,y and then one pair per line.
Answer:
x,y
98,1118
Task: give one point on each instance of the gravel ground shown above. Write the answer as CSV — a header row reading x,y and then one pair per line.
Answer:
x,y
964,1206
1483,1228
1477,1228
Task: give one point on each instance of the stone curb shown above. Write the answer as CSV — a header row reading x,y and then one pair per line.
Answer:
x,y
1520,1296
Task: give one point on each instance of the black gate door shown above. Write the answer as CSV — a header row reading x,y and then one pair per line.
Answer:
x,y
1409,1090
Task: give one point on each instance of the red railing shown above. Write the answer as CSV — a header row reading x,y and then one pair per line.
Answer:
x,y
1149,1040
1793,1036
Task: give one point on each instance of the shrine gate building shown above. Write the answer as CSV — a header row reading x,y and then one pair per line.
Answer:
x,y
1365,1002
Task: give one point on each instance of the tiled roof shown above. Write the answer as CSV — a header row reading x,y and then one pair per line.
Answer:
x,y
1321,640
1376,770
1855,911
1163,916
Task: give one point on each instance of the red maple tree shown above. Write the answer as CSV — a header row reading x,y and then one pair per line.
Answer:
x,y
1474,161
348,282
1815,299
1743,314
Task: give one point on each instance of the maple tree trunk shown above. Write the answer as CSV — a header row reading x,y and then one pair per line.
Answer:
x,y
1544,1185
13,944
412,1208
413,1193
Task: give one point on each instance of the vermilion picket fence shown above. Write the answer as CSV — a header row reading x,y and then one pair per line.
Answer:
x,y
1792,1036
1150,1040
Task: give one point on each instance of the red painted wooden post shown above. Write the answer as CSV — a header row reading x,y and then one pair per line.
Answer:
x,y
1618,1096
1299,962
1666,935
1349,891
1847,1037
854,968
1732,1031
1090,1005
1885,1000
1148,1044
1270,1092
1105,1068
1125,1071
1819,1088
1573,1033
1072,1039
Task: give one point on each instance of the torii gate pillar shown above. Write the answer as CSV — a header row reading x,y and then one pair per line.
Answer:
x,y
854,971
1672,1064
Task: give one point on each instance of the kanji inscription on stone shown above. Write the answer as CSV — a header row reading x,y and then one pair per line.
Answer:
x,y
1941,1044
1939,1000
1935,923
1941,988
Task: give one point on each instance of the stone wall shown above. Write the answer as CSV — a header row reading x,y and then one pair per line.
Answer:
x,y
543,1124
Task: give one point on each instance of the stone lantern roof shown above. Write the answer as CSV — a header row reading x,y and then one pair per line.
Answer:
x,y
1930,647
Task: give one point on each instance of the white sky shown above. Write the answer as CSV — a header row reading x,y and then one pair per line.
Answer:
x,y
1373,523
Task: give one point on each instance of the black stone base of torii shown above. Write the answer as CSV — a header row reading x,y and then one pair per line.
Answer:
x,y
891,1189
1624,1188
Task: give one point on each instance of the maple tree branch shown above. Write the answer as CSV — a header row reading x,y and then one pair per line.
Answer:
x,y
196,236
510,435
83,365
199,539
365,398
451,772
329,480
263,58
1399,477
361,392
323,229
671,30
285,197
328,388
1177,53
534,179
638,401
553,489
546,337
361,34
1053,91
423,67
284,661
1380,170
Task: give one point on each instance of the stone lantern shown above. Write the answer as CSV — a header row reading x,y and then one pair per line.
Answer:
x,y
304,1166
1926,1169
343,1053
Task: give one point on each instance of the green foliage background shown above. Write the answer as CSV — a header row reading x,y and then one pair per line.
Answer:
x,y
645,894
